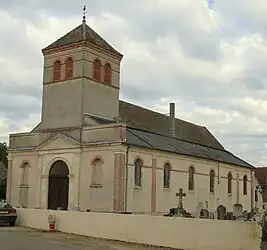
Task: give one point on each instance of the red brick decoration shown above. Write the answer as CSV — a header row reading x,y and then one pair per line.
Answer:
x,y
154,185
69,68
119,180
97,70
57,71
107,73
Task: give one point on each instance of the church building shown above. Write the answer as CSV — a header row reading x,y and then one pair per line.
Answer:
x,y
92,150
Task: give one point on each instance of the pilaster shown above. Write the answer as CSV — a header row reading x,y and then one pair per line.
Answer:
x,y
78,163
9,180
119,182
237,189
154,186
39,174
72,195
44,191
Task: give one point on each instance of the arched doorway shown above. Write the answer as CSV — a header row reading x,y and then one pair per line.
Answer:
x,y
58,187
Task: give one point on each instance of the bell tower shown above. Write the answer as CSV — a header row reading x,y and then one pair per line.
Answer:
x,y
81,76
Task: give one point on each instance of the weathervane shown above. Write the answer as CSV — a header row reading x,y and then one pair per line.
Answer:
x,y
84,13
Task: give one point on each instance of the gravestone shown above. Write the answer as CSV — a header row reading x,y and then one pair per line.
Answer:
x,y
230,216
207,205
238,210
200,206
243,216
221,212
204,213
245,213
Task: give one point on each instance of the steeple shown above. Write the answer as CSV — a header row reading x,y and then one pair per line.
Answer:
x,y
81,76
79,34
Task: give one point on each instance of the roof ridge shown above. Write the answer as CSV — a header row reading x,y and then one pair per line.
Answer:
x,y
161,114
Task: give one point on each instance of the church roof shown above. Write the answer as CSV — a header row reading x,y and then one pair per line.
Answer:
x,y
76,35
146,139
149,120
150,129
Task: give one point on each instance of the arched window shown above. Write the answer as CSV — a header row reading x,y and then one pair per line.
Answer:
x,y
57,71
229,181
69,68
107,73
167,175
256,196
97,173
212,181
25,169
97,70
191,180
138,172
245,185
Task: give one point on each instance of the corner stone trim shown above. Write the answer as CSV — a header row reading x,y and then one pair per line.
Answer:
x,y
119,182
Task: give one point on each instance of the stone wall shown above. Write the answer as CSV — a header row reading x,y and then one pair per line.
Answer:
x,y
181,233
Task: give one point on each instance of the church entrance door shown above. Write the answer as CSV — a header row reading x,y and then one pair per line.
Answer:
x,y
58,187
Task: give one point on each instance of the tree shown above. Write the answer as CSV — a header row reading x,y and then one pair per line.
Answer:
x,y
4,162
3,153
3,189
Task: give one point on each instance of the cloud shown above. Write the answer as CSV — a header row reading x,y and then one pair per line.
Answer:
x,y
212,66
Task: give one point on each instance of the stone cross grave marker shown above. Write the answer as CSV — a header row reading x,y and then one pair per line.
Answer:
x,y
180,196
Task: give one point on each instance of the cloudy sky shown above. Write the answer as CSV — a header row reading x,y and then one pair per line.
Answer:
x,y
213,65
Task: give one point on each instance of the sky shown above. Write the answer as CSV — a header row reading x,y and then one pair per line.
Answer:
x,y
213,65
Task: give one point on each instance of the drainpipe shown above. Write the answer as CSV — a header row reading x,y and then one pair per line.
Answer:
x,y
126,179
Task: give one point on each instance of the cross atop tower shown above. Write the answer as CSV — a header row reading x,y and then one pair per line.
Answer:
x,y
84,14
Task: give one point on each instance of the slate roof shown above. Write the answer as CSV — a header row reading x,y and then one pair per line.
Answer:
x,y
145,139
76,35
149,120
99,119
149,129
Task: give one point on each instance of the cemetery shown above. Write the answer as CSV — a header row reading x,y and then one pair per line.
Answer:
x,y
240,228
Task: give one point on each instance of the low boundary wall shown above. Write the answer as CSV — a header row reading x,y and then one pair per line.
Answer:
x,y
181,233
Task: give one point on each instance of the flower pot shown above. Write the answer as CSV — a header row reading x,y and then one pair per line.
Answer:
x,y
51,227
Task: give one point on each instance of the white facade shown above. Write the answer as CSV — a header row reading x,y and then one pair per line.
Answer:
x,y
150,198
